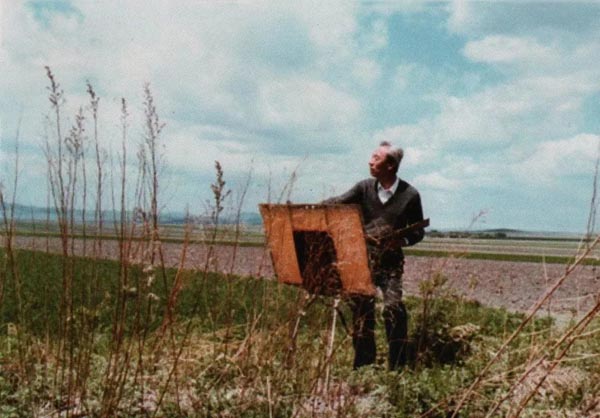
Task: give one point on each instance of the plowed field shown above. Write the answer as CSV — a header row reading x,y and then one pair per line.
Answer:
x,y
512,285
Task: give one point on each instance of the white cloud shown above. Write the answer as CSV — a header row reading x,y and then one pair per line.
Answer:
x,y
387,8
201,58
198,154
522,17
542,97
403,75
509,50
331,26
552,160
437,181
402,134
376,37
521,110
460,15
307,105
414,156
366,71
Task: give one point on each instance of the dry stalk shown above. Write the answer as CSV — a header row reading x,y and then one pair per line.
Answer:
x,y
572,335
119,355
98,216
240,205
288,188
9,226
61,191
549,292
576,329
219,196
169,316
11,267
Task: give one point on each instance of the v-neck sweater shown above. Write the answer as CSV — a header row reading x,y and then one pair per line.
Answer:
x,y
402,209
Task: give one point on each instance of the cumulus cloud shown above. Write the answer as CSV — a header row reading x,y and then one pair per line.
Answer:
x,y
460,15
402,134
376,37
306,105
437,181
387,8
521,110
258,77
552,160
518,17
366,72
403,75
509,49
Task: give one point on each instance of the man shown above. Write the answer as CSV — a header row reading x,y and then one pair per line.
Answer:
x,y
387,204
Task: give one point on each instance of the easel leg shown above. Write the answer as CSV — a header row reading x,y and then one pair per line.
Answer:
x,y
334,309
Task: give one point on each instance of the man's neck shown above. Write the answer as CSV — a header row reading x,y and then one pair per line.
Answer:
x,y
387,182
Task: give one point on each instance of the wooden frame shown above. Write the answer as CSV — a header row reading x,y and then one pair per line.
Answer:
x,y
291,232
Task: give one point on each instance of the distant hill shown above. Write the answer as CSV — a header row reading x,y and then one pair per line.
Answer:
x,y
505,233
502,231
26,213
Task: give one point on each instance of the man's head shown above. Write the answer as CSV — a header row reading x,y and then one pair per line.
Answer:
x,y
385,160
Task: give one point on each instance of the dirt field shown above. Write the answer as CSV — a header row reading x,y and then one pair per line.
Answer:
x,y
512,285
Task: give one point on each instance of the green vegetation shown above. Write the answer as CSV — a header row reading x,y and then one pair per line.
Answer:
x,y
236,357
87,337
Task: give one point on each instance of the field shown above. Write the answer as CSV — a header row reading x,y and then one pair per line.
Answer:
x,y
123,316
229,333
229,341
504,273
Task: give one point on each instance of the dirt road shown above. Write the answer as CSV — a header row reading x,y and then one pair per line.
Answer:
x,y
512,285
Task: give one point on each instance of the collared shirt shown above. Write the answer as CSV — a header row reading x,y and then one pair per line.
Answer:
x,y
385,194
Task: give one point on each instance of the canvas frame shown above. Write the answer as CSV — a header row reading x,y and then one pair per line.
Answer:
x,y
343,223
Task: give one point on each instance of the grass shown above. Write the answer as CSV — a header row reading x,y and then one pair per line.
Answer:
x,y
235,360
85,337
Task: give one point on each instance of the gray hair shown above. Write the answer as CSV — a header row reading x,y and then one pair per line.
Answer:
x,y
394,154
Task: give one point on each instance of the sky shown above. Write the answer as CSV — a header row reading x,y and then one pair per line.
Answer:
x,y
496,104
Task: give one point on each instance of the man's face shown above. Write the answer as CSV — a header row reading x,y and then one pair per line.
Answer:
x,y
378,165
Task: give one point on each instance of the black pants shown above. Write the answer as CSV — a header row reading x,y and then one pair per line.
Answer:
x,y
395,319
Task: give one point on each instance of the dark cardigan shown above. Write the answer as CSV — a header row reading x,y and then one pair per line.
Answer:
x,y
402,209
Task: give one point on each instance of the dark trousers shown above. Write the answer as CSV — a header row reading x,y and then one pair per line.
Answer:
x,y
395,319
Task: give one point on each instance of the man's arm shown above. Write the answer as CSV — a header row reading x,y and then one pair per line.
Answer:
x,y
354,195
414,214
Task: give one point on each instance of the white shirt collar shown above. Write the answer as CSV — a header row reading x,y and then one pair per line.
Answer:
x,y
385,194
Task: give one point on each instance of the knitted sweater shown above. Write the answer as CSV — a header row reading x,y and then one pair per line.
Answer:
x,y
402,209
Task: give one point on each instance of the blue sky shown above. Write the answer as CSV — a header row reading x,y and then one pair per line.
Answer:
x,y
497,104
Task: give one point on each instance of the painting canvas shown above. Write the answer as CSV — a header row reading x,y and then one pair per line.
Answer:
x,y
319,247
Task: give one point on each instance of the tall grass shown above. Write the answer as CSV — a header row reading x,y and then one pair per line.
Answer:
x,y
82,335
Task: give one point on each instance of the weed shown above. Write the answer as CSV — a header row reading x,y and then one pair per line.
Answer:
x,y
132,337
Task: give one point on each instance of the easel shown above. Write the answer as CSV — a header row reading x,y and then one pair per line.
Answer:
x,y
290,230
322,249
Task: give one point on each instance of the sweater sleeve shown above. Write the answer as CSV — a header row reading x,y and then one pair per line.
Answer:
x,y
354,195
414,213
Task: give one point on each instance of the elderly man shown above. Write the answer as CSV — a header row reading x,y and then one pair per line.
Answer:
x,y
388,204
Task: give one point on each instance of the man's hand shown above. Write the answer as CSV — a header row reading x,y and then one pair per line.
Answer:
x,y
386,242
386,237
